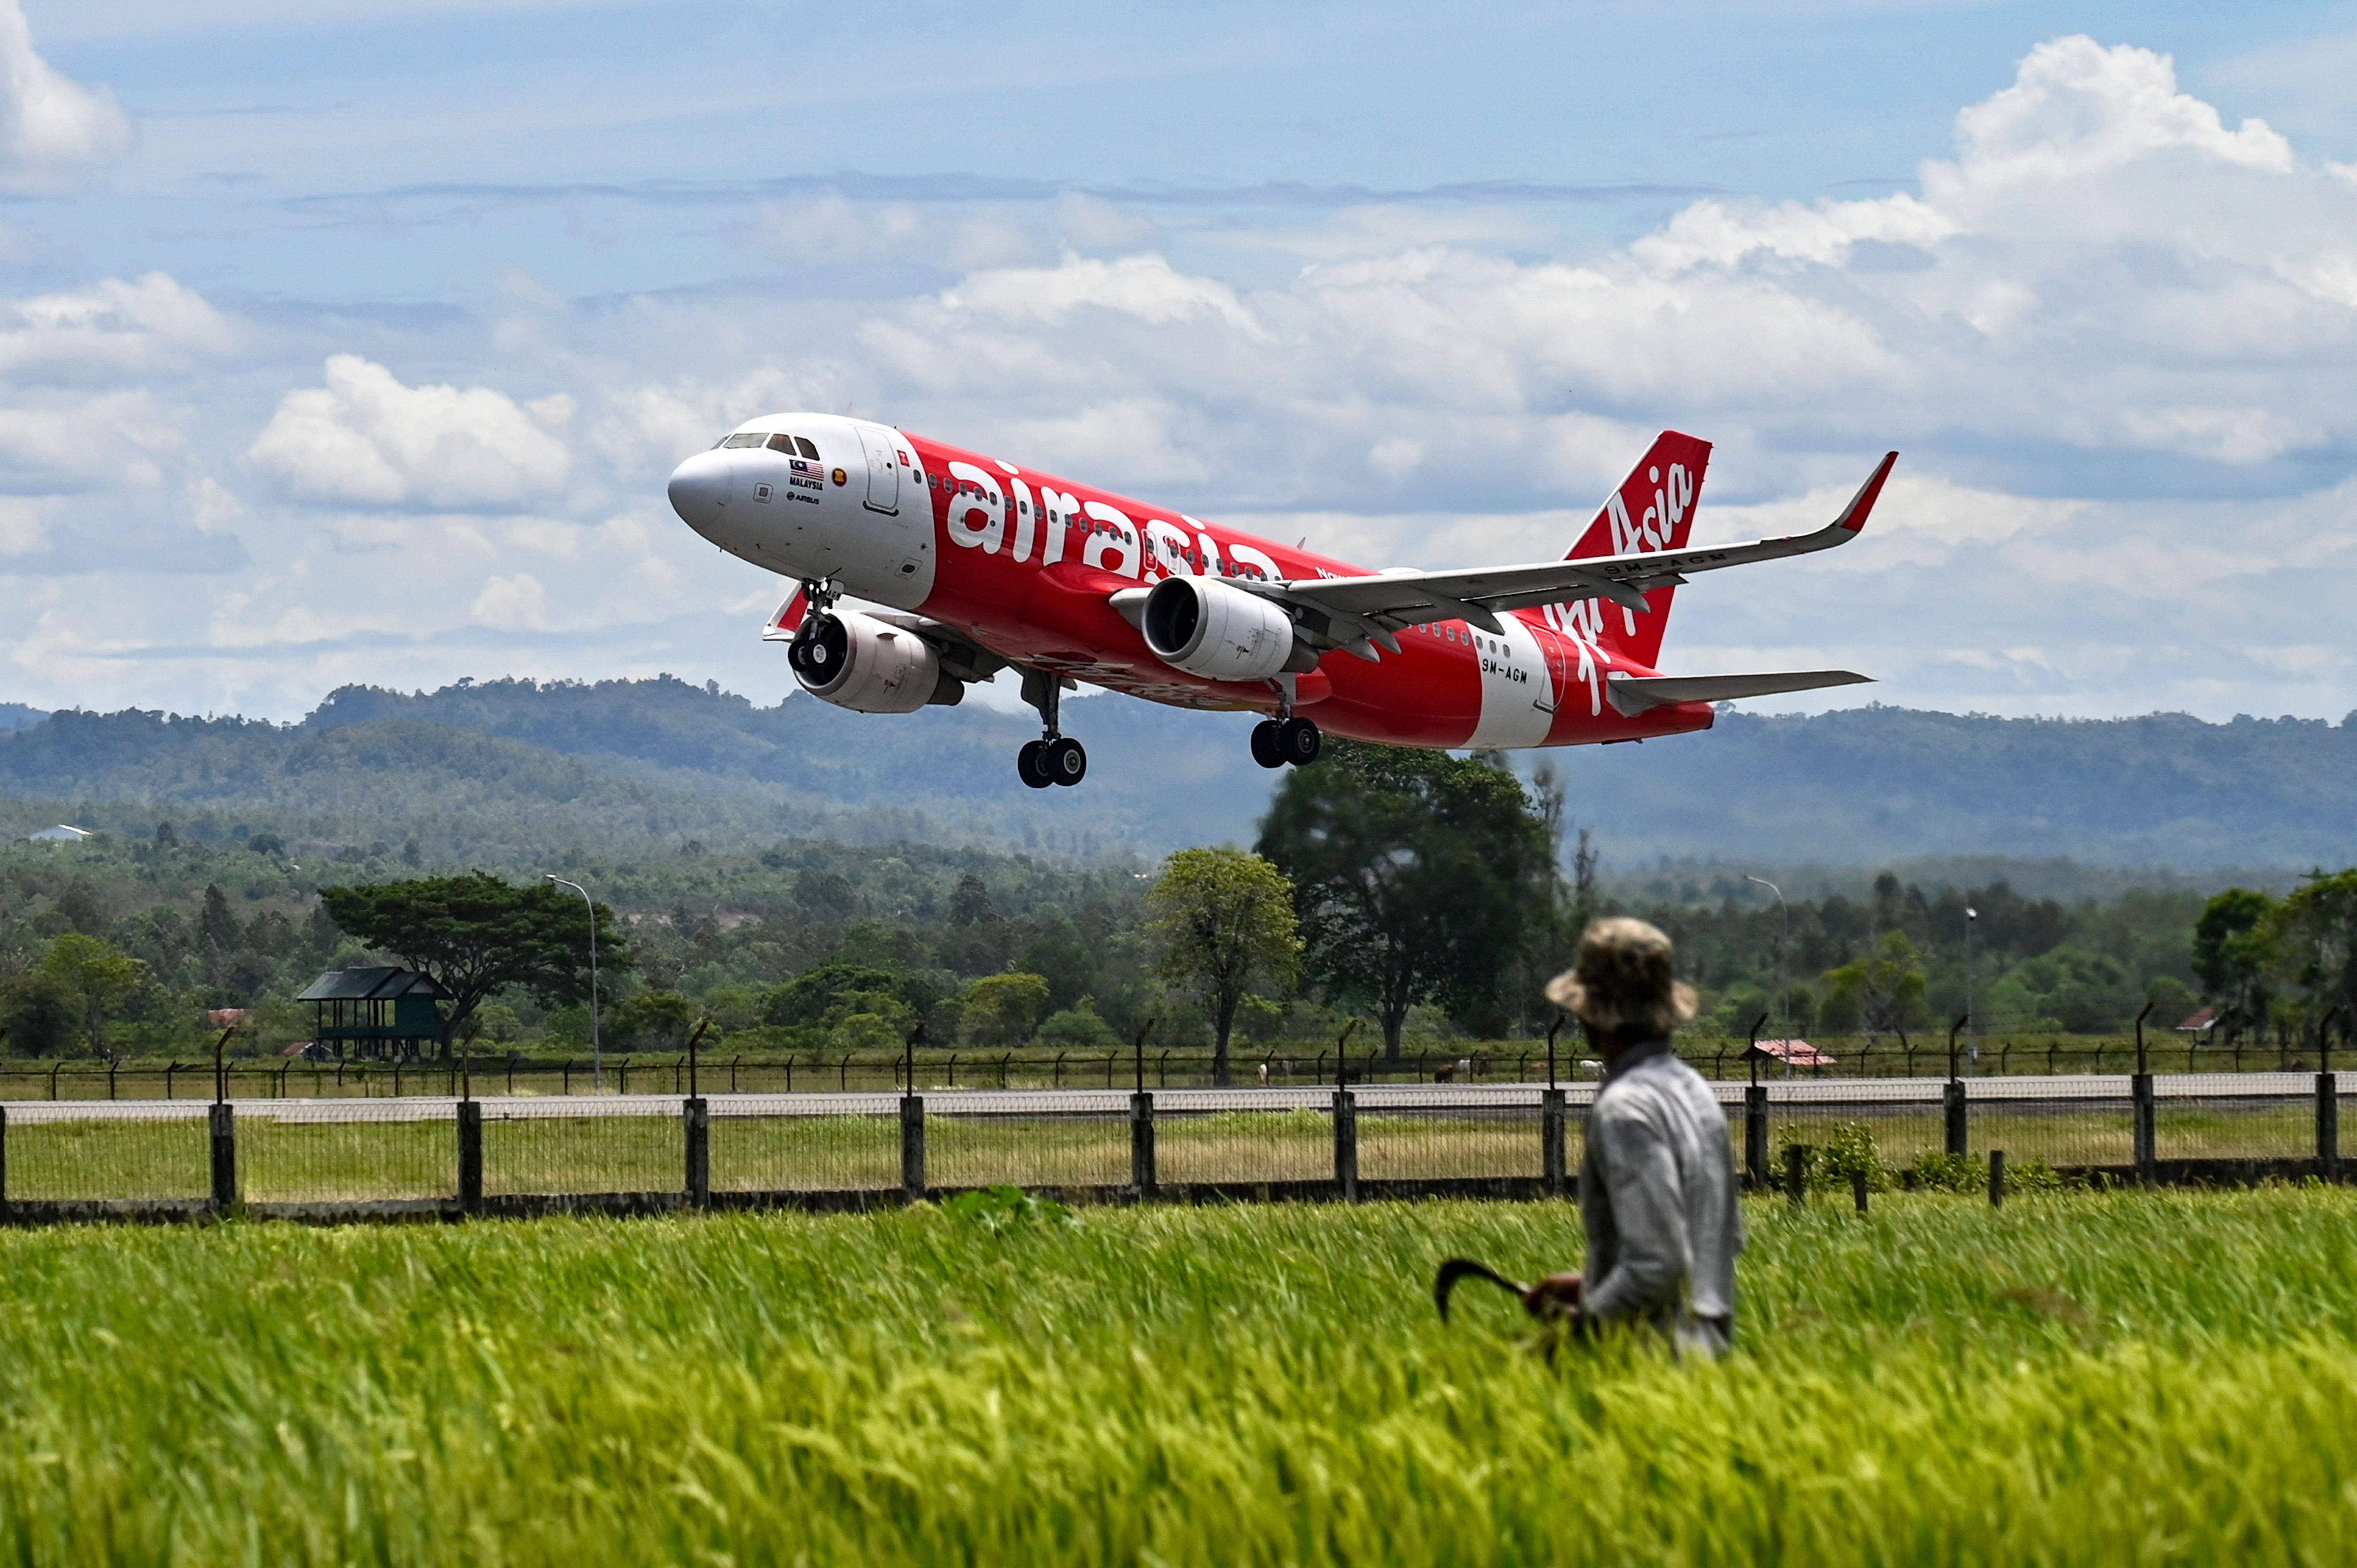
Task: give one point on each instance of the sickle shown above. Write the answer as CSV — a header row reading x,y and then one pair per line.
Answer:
x,y
1456,1269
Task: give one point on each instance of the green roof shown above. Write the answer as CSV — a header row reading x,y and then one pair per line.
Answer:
x,y
372,985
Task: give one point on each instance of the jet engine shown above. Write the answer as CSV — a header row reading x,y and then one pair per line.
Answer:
x,y
870,666
1206,627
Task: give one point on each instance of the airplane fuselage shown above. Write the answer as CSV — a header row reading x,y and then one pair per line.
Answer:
x,y
1030,566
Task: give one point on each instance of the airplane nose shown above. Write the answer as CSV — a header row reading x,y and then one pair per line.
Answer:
x,y
699,489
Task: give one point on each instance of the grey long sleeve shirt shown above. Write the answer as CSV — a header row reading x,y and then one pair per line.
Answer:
x,y
1659,1197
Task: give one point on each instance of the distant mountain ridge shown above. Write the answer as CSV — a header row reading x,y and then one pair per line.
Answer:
x,y
520,763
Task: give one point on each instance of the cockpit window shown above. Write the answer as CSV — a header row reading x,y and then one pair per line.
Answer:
x,y
746,438
783,443
809,448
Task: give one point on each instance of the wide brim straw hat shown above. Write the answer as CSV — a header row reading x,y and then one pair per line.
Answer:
x,y
1624,981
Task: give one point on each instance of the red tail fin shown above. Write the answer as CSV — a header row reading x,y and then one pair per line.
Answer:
x,y
1652,509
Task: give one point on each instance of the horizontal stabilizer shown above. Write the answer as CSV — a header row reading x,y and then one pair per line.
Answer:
x,y
1633,694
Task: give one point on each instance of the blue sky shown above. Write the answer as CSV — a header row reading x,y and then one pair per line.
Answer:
x,y
351,342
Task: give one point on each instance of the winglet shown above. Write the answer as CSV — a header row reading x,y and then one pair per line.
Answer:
x,y
1853,517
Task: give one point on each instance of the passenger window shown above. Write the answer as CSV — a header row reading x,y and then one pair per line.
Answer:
x,y
809,448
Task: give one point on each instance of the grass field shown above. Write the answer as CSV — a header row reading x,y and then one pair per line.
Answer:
x,y
283,1162
2082,1378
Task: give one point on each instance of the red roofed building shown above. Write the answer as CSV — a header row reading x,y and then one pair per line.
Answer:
x,y
1792,1053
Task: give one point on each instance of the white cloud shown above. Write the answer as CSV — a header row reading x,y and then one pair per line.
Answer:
x,y
66,441
2077,108
51,128
1145,287
1723,233
114,330
21,530
513,601
364,437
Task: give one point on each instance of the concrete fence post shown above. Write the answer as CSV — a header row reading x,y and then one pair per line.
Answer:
x,y
913,1146
2328,1125
695,1122
221,1121
1552,1140
1796,1174
1141,1142
1346,1144
1857,1190
1755,1134
470,1155
1996,1178
1951,1104
4,1161
2147,1151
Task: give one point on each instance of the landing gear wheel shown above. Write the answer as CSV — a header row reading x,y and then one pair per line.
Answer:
x,y
1066,760
1264,744
1031,764
1298,742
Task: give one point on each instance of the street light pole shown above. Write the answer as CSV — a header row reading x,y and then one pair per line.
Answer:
x,y
596,1060
1972,1018
1783,981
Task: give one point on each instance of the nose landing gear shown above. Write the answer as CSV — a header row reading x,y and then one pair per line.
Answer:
x,y
1054,758
1276,742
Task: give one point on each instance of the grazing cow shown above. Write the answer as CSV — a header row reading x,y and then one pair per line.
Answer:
x,y
1444,1073
1264,1075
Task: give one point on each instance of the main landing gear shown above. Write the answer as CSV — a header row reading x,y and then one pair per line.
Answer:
x,y
1055,757
1059,760
1276,742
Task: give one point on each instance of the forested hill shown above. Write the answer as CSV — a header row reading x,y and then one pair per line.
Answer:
x,y
515,765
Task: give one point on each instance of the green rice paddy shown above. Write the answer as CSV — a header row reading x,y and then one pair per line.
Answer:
x,y
2075,1379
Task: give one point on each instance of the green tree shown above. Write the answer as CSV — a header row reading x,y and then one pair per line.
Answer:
x,y
1881,993
868,1021
811,995
96,976
1223,927
1078,1027
218,932
38,1015
1000,1009
498,1023
1409,869
2234,949
2312,937
654,1021
477,936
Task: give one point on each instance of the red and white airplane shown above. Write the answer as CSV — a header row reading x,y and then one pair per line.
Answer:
x,y
983,566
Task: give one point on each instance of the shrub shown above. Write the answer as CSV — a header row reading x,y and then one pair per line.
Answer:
x,y
1967,1173
1849,1147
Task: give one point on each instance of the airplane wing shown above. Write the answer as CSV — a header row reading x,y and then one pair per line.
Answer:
x,y
1359,610
1633,694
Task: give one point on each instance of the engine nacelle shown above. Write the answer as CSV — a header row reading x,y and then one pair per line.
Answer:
x,y
1206,627
870,666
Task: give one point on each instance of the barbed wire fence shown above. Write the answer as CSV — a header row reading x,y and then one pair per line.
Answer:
x,y
1923,1056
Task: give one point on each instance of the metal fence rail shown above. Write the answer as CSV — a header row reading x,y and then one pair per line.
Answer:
x,y
497,1155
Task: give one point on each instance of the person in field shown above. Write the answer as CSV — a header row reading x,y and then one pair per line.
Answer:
x,y
1657,1186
